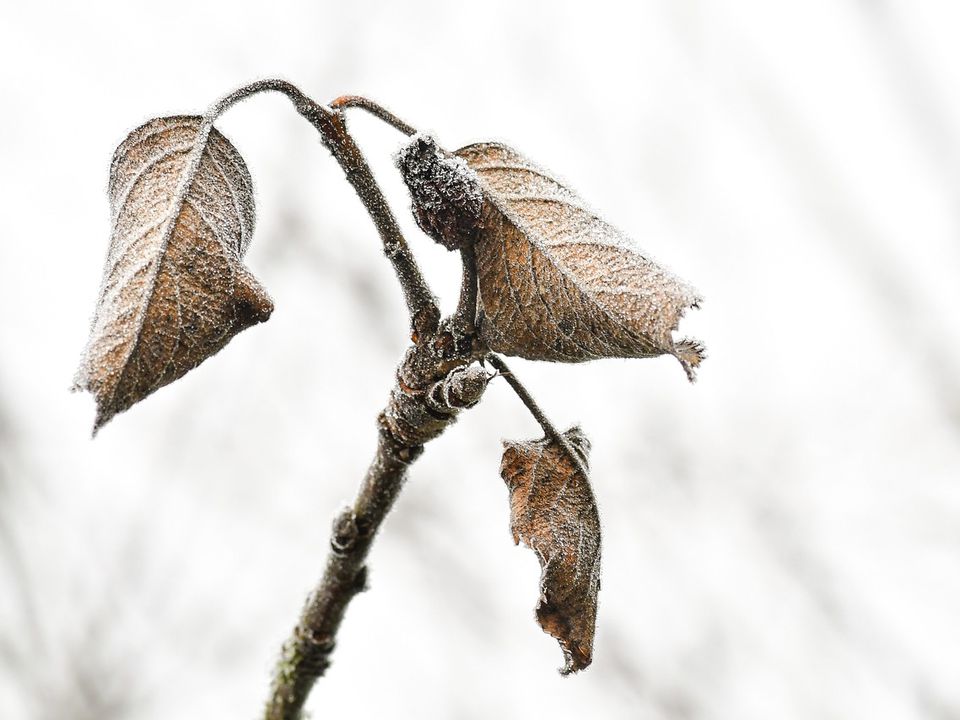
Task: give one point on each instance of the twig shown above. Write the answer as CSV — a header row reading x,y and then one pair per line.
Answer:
x,y
424,313
429,392
356,101
423,309
549,428
306,655
294,93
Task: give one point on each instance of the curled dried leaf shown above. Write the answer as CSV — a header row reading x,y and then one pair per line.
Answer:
x,y
444,192
174,290
553,511
559,283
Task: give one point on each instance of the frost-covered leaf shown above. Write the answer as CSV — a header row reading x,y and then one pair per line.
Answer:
x,y
552,510
559,283
174,290
446,195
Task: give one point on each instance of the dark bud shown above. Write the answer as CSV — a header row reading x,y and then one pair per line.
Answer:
x,y
446,193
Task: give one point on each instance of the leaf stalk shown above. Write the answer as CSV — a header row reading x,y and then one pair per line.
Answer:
x,y
526,398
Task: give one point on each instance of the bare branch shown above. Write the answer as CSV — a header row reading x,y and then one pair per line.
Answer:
x,y
431,390
423,309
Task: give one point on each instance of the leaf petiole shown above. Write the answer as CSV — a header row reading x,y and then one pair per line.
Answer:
x,y
526,398
375,109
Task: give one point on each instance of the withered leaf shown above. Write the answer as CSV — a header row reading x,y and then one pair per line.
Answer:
x,y
174,291
446,195
553,511
559,283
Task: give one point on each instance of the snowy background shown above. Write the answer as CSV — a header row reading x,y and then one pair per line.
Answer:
x,y
782,540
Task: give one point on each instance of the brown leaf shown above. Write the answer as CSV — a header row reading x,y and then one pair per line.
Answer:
x,y
559,283
552,510
174,290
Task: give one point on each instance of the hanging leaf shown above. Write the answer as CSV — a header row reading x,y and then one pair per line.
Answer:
x,y
174,290
552,510
559,283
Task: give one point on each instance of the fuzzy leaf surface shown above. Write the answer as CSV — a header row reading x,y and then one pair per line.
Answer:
x,y
553,512
174,291
559,283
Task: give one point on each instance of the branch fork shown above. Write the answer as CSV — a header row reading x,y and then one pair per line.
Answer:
x,y
440,375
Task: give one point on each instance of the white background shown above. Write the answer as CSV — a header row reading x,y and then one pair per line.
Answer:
x,y
780,540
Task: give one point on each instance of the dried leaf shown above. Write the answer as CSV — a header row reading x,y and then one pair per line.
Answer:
x,y
445,194
552,510
174,290
559,283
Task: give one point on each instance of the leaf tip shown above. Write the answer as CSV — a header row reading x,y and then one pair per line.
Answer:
x,y
81,383
690,352
577,648
252,304
575,662
103,416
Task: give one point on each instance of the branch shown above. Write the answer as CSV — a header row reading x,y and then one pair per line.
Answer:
x,y
548,427
351,101
294,93
421,305
430,391
434,382
306,655
424,313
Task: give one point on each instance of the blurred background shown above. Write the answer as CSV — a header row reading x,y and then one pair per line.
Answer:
x,y
781,540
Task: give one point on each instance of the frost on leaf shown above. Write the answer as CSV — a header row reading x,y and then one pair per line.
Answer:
x,y
445,193
559,283
174,291
552,510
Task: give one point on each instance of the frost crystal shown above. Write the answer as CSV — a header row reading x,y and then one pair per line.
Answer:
x,y
445,192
